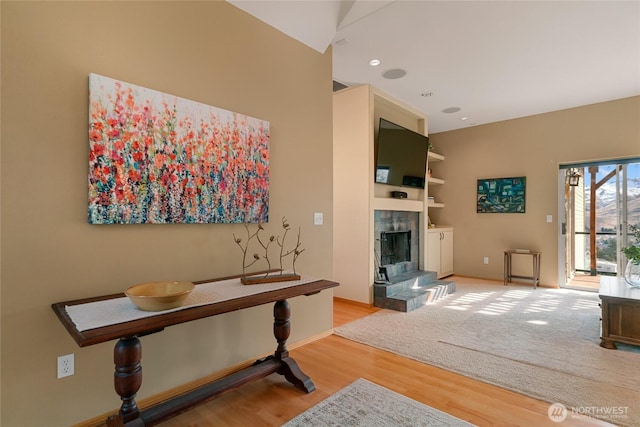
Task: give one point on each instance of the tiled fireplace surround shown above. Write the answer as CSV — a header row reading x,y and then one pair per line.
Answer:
x,y
390,221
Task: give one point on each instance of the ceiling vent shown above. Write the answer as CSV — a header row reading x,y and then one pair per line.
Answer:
x,y
395,73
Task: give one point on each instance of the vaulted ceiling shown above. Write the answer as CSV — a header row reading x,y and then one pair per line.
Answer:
x,y
492,60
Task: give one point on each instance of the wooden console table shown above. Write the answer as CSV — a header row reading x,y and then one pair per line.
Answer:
x,y
620,312
535,275
128,350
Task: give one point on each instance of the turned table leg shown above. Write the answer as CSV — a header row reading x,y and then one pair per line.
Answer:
x,y
281,327
127,379
289,368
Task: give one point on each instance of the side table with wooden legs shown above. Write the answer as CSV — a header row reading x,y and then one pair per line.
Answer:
x,y
508,274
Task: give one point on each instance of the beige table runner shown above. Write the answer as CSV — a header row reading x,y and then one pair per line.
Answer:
x,y
120,310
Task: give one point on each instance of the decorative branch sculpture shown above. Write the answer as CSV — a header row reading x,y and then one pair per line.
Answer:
x,y
245,248
283,253
296,251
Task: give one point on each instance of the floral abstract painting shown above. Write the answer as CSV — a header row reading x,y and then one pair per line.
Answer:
x,y
157,158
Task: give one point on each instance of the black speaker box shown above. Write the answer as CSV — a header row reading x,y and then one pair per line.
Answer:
x,y
398,194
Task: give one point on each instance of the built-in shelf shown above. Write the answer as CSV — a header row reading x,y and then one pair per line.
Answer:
x,y
434,182
434,157
389,204
354,258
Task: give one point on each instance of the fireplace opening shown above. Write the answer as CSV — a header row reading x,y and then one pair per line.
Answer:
x,y
395,247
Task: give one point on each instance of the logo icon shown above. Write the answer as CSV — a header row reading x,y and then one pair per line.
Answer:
x,y
557,412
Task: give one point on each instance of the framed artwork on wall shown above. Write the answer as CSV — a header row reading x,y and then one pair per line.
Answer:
x,y
501,195
158,158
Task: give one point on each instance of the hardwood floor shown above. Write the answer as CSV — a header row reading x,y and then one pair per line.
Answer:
x,y
334,362
585,282
345,311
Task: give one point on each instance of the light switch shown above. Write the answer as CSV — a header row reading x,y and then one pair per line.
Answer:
x,y
549,218
317,218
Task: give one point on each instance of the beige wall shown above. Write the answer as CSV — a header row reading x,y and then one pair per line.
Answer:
x,y
210,52
533,147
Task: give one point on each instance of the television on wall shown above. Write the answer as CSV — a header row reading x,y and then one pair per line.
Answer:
x,y
401,156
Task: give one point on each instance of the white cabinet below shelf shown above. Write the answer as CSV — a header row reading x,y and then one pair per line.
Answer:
x,y
440,251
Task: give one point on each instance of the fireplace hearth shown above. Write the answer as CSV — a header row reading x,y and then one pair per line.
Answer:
x,y
400,284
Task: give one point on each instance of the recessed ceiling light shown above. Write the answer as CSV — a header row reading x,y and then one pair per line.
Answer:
x,y
464,118
450,110
395,73
374,62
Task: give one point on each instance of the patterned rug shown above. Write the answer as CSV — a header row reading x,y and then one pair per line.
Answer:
x,y
543,343
363,403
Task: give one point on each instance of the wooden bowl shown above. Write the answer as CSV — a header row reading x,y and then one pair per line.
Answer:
x,y
158,296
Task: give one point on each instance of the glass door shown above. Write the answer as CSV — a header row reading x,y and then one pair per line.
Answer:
x,y
599,208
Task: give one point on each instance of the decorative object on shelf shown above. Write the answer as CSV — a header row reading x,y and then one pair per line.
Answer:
x,y
632,252
278,276
573,177
158,158
159,296
501,195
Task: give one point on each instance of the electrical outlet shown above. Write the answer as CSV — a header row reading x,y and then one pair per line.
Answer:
x,y
318,218
486,260
66,365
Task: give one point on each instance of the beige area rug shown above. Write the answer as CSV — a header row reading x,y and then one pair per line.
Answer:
x,y
363,403
543,343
